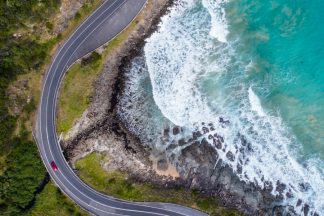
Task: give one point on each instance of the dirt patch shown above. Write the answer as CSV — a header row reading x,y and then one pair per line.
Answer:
x,y
162,166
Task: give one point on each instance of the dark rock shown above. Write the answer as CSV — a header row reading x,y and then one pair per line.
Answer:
x,y
268,186
205,130
182,142
217,143
221,120
240,161
249,147
219,137
162,164
176,130
202,154
303,187
242,150
166,132
306,209
280,187
196,135
243,140
230,156
239,168
278,211
204,142
171,146
210,136
299,202
289,195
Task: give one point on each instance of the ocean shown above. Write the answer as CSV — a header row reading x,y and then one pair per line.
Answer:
x,y
257,65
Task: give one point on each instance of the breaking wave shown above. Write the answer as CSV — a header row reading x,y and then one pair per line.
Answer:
x,y
195,79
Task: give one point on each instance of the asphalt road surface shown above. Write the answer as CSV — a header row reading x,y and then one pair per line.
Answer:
x,y
104,24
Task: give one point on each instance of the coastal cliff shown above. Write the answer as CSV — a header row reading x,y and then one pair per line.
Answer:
x,y
192,162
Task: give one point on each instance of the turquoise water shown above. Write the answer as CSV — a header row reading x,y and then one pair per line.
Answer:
x,y
290,76
258,64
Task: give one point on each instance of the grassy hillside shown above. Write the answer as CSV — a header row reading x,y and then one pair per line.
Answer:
x,y
20,52
27,41
120,185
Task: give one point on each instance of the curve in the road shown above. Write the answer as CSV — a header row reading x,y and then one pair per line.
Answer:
x,y
103,25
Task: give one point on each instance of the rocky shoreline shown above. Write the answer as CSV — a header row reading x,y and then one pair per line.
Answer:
x,y
101,129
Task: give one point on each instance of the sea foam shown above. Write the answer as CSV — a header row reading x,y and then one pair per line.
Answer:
x,y
182,57
219,28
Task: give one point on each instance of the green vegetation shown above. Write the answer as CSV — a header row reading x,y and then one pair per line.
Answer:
x,y
24,173
19,53
76,90
26,43
85,10
22,170
121,186
51,202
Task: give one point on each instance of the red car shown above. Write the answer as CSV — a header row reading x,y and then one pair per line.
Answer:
x,y
54,167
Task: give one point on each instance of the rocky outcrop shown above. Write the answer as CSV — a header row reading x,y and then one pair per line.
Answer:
x,y
196,158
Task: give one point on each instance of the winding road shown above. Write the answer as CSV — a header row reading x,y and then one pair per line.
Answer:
x,y
103,25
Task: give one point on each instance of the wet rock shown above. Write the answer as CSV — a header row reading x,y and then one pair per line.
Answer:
x,y
162,164
205,130
203,153
299,202
240,161
243,140
306,209
268,186
239,168
289,195
210,136
223,121
278,211
176,130
219,137
166,132
249,147
171,146
204,142
230,156
303,187
217,143
280,187
196,135
182,142
242,150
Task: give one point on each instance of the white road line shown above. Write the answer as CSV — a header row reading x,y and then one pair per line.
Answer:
x,y
56,91
60,49
54,115
77,37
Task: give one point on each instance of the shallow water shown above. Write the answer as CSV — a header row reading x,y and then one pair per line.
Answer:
x,y
258,64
